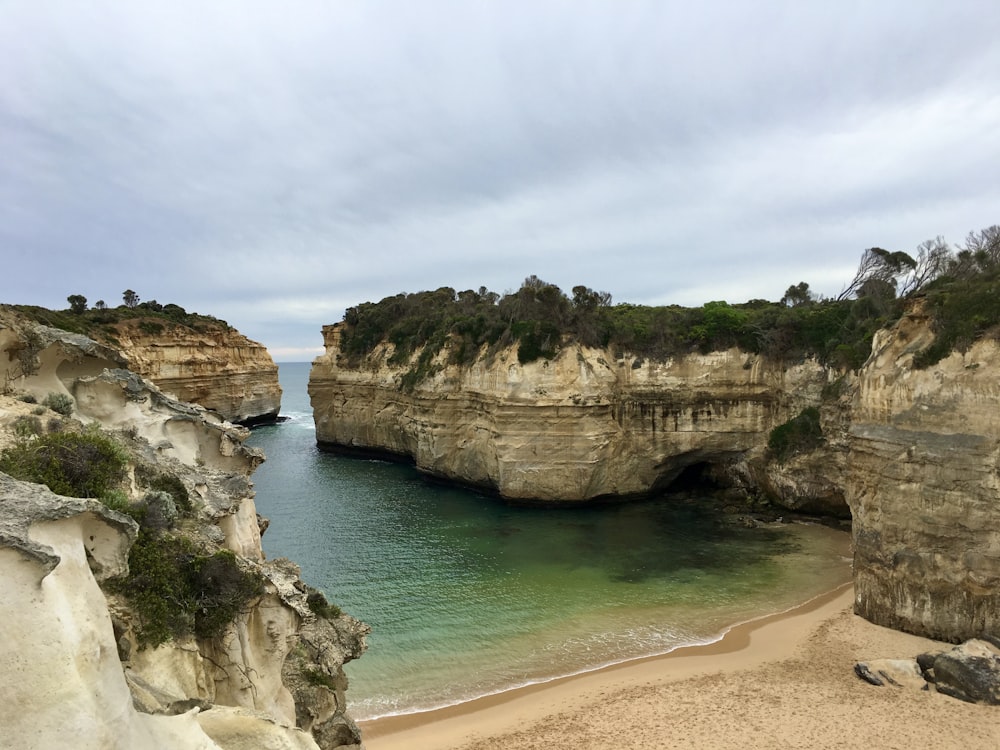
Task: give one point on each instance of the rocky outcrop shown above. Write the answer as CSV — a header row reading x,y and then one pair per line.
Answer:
x,y
923,483
217,367
204,361
915,454
62,677
588,424
969,672
232,690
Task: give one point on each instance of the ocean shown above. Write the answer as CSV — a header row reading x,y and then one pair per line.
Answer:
x,y
467,596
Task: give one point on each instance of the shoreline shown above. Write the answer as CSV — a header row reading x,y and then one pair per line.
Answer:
x,y
640,695
682,649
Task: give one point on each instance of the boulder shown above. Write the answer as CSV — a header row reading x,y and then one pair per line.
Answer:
x,y
969,672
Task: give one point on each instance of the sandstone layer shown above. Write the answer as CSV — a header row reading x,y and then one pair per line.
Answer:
x,y
915,454
217,367
923,483
77,663
584,426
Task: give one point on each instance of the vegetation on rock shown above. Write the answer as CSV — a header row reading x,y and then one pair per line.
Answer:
x,y
964,302
175,586
101,322
176,589
541,319
76,464
800,434
319,605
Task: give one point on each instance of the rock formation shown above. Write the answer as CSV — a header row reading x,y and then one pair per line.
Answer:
x,y
195,358
914,453
585,425
75,658
923,483
969,672
217,367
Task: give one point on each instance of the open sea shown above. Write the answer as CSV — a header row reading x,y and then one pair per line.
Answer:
x,y
468,597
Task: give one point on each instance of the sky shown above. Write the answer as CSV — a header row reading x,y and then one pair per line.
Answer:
x,y
273,163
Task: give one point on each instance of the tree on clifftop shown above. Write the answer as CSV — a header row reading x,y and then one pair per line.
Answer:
x,y
131,298
77,303
879,269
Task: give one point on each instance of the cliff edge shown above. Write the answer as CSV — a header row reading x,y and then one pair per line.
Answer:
x,y
908,445
196,358
923,483
587,424
150,618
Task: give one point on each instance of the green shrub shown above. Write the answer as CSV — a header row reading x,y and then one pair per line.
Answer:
x,y
118,500
87,464
177,590
319,678
962,310
60,403
320,607
150,478
27,426
798,435
539,318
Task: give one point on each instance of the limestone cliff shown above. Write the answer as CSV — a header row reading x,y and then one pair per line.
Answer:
x,y
216,367
586,425
914,453
196,358
923,483
272,676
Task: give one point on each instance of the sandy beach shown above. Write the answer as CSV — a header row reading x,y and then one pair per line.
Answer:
x,y
784,681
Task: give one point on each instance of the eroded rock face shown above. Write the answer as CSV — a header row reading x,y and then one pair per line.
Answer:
x,y
244,669
218,368
923,483
62,677
582,426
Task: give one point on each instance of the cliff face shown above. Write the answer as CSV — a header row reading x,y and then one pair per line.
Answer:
x,y
218,367
923,483
584,425
914,453
75,656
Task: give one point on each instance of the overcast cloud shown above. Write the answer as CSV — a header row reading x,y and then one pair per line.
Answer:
x,y
274,163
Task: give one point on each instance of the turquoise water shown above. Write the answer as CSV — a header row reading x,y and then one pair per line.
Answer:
x,y
467,596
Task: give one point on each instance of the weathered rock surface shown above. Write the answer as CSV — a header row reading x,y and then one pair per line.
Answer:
x,y
896,672
218,368
245,669
582,426
969,672
923,483
63,683
915,454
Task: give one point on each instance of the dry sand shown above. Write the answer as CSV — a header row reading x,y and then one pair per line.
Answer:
x,y
786,681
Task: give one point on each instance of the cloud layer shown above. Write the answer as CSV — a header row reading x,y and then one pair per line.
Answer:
x,y
272,164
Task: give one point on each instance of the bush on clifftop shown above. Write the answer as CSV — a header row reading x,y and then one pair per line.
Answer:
x,y
539,318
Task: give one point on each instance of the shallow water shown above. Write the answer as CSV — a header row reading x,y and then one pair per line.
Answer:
x,y
467,596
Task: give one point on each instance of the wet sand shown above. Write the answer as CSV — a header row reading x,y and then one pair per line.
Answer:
x,y
783,681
